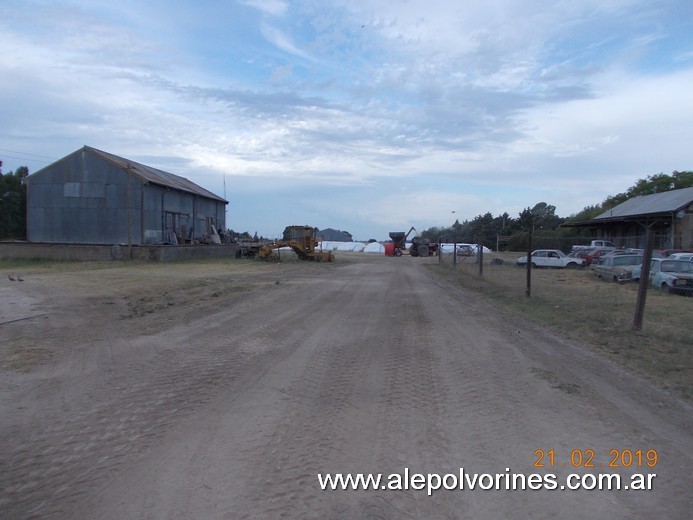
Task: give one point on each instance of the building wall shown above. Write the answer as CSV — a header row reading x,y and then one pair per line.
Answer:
x,y
97,253
186,216
676,233
684,229
83,199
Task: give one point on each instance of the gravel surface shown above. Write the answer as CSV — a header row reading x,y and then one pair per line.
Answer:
x,y
221,390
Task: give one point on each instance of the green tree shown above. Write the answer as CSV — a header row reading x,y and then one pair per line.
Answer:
x,y
587,213
652,184
542,218
13,204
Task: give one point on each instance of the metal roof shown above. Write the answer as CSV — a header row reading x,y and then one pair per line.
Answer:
x,y
155,176
657,204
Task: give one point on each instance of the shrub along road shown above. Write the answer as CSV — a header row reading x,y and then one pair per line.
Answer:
x,y
223,389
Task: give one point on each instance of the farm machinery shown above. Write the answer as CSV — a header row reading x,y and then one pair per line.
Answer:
x,y
419,246
302,240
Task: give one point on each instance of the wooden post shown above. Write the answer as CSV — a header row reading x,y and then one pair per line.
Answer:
x,y
644,280
528,291
480,254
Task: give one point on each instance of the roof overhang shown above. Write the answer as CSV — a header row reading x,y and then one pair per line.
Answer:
x,y
646,219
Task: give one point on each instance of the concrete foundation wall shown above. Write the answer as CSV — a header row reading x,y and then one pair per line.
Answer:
x,y
84,252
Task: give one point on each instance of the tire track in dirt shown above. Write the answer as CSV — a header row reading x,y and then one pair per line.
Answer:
x,y
315,434
371,368
43,470
412,405
515,399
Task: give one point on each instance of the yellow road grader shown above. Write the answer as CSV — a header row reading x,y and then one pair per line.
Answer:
x,y
301,239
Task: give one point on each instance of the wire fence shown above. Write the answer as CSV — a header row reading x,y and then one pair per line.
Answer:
x,y
539,241
466,254
565,244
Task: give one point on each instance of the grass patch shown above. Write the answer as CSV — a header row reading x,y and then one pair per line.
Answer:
x,y
578,305
12,263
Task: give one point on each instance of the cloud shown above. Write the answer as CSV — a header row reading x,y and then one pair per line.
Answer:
x,y
282,41
271,7
373,108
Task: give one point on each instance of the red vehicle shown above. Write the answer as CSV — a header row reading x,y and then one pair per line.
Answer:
x,y
593,256
419,246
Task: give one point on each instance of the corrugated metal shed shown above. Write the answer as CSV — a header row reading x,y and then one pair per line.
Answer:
x,y
667,202
94,197
155,176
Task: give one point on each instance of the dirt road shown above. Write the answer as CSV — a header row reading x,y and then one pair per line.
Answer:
x,y
181,392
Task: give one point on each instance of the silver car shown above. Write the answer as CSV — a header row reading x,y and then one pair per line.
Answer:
x,y
675,276
618,268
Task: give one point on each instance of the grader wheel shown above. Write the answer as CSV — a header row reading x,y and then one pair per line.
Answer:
x,y
268,255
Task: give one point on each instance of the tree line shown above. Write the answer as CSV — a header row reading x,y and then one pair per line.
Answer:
x,y
507,233
503,231
13,204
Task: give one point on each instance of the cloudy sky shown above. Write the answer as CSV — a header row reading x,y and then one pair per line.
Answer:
x,y
362,115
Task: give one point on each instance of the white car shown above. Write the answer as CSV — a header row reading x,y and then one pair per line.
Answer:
x,y
551,258
676,276
681,256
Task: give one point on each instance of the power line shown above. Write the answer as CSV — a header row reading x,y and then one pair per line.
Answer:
x,y
25,157
29,154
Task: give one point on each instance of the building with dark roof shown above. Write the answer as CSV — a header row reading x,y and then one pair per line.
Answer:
x,y
94,197
668,214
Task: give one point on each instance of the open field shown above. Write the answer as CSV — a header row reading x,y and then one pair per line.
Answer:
x,y
221,389
599,314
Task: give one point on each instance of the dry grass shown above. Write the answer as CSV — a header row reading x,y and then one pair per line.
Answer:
x,y
599,314
573,303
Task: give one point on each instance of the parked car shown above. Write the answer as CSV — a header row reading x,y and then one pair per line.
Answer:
x,y
672,275
654,267
681,256
668,252
551,258
594,256
605,244
675,276
618,267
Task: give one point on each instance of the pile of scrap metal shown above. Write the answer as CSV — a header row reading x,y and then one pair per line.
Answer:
x,y
249,248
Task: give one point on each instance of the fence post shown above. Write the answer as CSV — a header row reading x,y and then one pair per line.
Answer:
x,y
644,280
528,291
481,258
